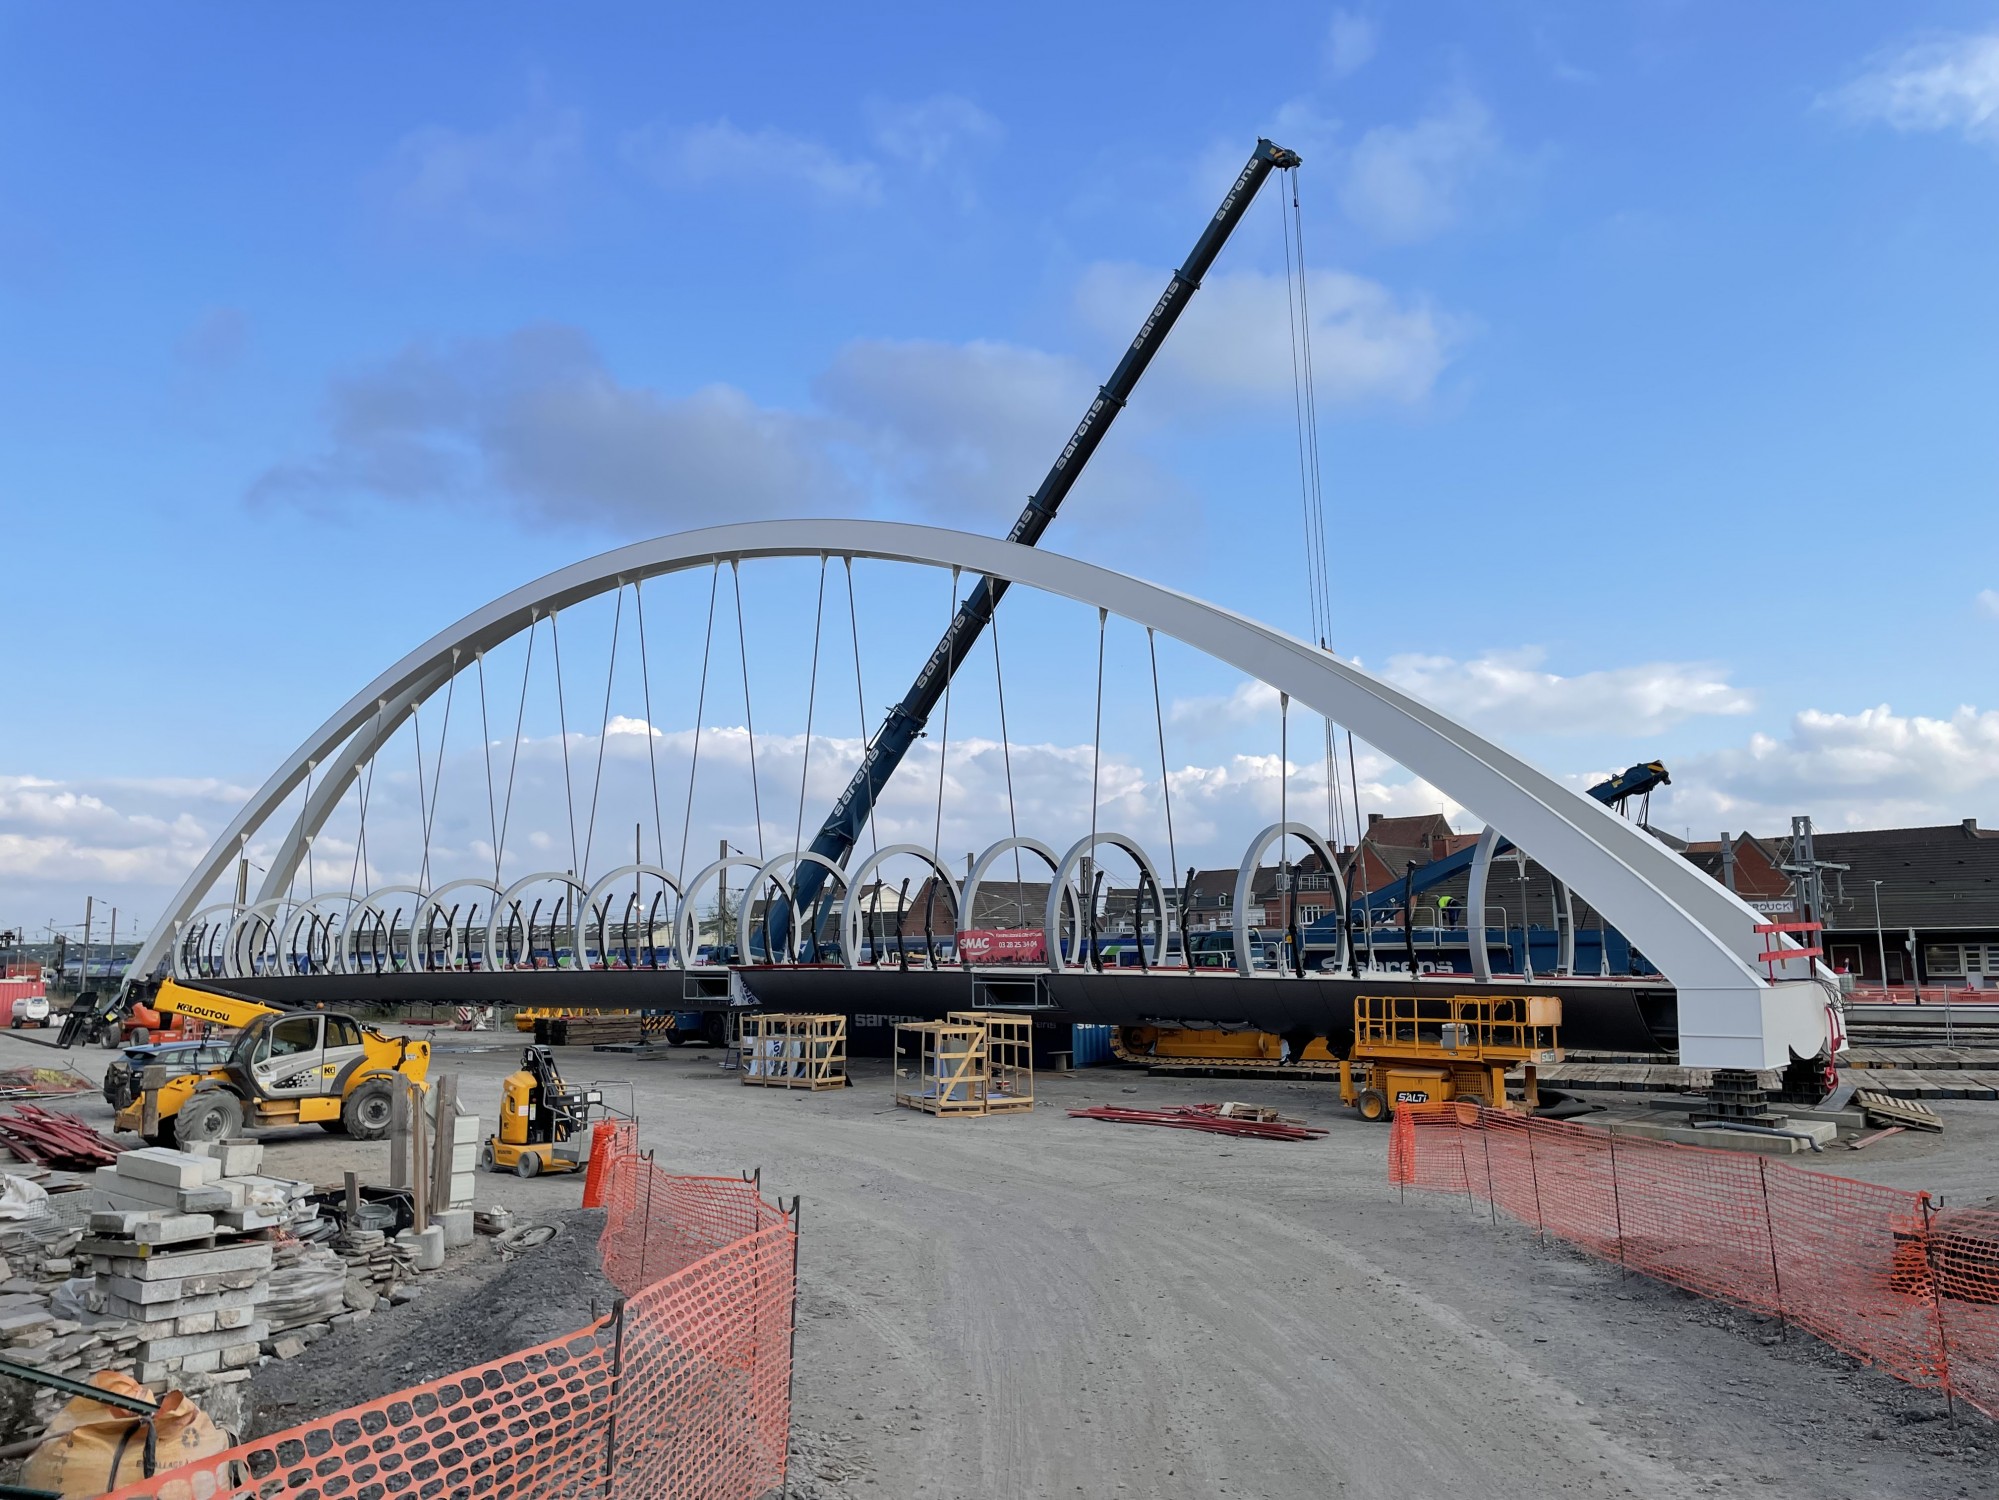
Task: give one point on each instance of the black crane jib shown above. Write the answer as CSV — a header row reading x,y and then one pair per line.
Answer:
x,y
906,720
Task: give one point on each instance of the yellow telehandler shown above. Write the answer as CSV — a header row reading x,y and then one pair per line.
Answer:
x,y
287,1067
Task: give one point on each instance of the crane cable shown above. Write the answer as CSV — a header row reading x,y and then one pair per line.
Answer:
x,y
1311,482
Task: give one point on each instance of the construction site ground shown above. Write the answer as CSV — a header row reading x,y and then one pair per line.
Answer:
x,y
1043,1306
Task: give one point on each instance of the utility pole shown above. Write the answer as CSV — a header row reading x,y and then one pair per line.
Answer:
x,y
83,975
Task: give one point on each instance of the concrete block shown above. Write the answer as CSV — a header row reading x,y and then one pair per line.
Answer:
x,y
180,1346
168,1265
457,1226
464,1185
235,1317
201,1322
430,1249
15,1324
465,1131
118,1222
238,1158
241,1356
173,1168
359,1296
119,1192
173,1229
155,1372
465,1156
203,1362
245,1219
352,1315
288,1347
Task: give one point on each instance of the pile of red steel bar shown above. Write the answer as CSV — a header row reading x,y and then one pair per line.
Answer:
x,y
51,1138
1206,1117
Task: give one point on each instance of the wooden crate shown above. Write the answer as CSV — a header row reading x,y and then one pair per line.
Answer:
x,y
941,1068
795,1052
1009,1056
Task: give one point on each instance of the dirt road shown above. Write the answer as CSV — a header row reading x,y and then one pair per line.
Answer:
x,y
1041,1306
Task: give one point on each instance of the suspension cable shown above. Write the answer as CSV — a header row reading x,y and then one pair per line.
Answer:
x,y
437,775
363,784
486,750
860,697
562,724
1165,783
944,744
1006,759
700,712
422,812
1096,756
520,719
1312,413
652,729
749,718
603,734
811,702
1291,278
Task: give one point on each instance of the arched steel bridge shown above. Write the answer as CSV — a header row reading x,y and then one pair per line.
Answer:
x,y
470,939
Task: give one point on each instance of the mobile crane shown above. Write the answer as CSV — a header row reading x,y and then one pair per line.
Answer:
x,y
905,722
287,1067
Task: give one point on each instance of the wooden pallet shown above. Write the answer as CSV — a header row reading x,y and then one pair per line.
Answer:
x,y
795,1051
1880,1109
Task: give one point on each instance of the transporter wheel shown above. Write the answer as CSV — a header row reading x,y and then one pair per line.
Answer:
x,y
488,1162
211,1115
527,1164
368,1110
1373,1106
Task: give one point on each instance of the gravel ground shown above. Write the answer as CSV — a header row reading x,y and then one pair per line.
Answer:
x,y
480,1307
1041,1306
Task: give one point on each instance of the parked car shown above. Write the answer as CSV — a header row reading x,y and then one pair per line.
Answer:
x,y
30,1010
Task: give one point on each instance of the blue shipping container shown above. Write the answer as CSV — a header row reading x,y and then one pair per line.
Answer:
x,y
1091,1046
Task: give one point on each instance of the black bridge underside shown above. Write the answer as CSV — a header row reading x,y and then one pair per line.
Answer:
x,y
1598,1016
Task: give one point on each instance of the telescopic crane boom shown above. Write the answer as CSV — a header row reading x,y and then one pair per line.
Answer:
x,y
842,828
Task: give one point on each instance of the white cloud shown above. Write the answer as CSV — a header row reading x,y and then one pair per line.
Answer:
x,y
930,133
1947,84
504,183
1872,769
1408,182
1510,692
1350,43
1988,602
1367,345
723,152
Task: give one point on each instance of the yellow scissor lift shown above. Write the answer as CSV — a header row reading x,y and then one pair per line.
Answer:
x,y
1425,1049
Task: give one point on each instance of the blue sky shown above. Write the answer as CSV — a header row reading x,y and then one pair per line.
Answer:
x,y
1656,347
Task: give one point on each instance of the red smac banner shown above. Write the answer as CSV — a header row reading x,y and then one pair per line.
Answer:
x,y
1002,945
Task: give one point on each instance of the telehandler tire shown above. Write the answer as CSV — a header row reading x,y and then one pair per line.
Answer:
x,y
1373,1106
368,1110
210,1115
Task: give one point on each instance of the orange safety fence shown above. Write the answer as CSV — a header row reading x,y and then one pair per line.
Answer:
x,y
683,1391
1880,1273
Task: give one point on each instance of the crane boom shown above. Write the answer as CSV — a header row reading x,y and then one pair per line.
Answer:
x,y
842,828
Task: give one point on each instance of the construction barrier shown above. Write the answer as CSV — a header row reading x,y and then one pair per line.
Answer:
x,y
1880,1273
683,1391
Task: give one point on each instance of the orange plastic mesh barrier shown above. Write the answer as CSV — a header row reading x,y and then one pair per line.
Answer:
x,y
1877,1272
684,1391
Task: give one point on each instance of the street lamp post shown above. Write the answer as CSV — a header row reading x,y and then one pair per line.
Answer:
x,y
1880,938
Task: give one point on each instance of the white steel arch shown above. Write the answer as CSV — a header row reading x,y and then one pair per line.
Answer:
x,y
975,877
1245,886
506,902
768,871
434,902
1699,934
586,912
685,930
850,904
1058,883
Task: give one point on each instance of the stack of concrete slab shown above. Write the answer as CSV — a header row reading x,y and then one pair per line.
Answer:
x,y
177,1249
